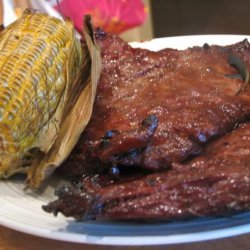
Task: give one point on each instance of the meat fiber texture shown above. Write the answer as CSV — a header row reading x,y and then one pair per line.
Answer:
x,y
178,117
215,183
154,109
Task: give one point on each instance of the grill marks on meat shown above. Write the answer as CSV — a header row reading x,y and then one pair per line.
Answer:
x,y
157,110
133,139
188,92
214,183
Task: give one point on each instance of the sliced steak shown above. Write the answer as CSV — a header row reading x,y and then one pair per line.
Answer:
x,y
155,109
215,183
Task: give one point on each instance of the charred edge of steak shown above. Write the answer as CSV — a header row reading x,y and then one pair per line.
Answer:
x,y
240,65
72,201
117,147
100,34
215,183
197,197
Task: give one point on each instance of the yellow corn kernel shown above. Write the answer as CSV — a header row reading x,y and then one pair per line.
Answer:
x,y
39,58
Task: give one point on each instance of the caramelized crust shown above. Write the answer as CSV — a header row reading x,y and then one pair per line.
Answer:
x,y
191,93
215,183
178,112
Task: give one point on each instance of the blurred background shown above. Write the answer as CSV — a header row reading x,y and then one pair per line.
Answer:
x,y
146,19
188,17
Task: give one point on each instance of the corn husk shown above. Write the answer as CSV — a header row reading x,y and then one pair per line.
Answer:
x,y
76,117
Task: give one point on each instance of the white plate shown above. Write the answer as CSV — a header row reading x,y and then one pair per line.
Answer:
x,y
23,212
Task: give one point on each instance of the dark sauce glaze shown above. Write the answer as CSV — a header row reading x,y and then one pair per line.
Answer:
x,y
176,115
189,92
214,183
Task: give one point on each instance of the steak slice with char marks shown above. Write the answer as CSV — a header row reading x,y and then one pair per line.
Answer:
x,y
187,96
214,183
157,110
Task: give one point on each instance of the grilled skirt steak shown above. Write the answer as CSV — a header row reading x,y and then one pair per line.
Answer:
x,y
169,137
214,183
156,109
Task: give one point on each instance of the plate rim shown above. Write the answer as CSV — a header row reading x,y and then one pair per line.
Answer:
x,y
126,240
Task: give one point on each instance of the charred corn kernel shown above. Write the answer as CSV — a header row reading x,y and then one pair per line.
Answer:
x,y
39,58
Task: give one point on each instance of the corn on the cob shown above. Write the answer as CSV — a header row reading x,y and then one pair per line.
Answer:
x,y
39,58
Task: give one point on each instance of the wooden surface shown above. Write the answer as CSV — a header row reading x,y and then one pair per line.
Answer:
x,y
12,240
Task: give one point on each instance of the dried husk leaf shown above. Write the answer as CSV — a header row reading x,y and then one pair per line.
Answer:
x,y
76,117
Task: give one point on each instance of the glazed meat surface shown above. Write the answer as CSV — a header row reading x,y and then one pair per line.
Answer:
x,y
156,109
173,130
214,183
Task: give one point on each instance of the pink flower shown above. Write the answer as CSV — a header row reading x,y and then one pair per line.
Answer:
x,y
111,15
